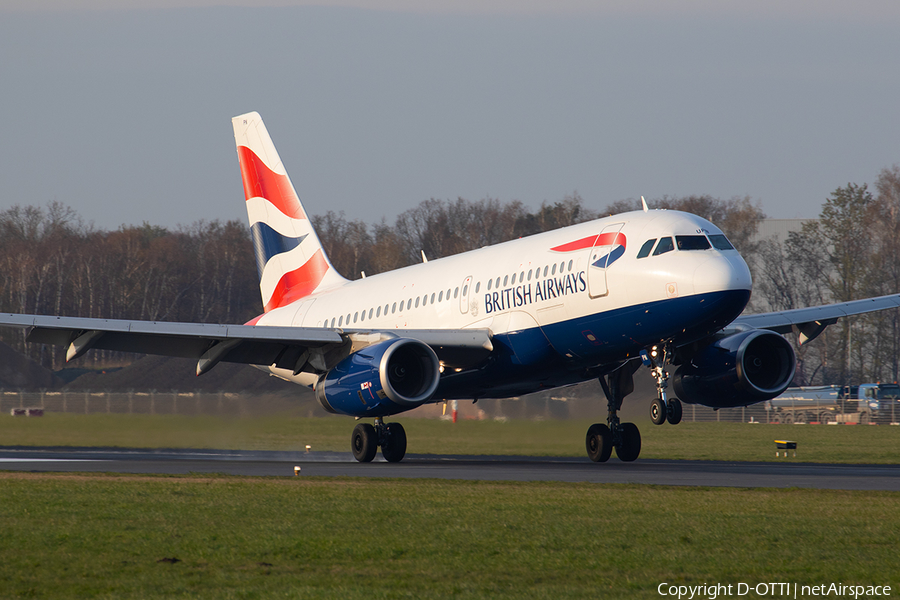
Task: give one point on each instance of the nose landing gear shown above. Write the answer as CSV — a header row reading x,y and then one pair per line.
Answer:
x,y
662,408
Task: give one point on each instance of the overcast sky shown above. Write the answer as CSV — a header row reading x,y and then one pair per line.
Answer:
x,y
125,114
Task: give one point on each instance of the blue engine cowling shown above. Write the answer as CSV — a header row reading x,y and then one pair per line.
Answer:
x,y
382,379
737,370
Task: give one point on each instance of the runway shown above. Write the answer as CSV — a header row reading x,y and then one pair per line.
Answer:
x,y
487,468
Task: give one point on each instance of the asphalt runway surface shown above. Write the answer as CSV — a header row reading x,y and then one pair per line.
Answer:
x,y
785,473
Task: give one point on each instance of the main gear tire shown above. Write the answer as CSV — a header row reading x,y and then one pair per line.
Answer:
x,y
598,442
630,446
393,446
364,442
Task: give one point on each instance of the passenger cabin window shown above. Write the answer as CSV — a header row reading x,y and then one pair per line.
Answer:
x,y
692,242
665,245
720,242
644,252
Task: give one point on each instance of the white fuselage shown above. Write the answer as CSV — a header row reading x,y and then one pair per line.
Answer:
x,y
548,283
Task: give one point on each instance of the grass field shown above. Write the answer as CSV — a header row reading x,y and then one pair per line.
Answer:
x,y
708,441
73,536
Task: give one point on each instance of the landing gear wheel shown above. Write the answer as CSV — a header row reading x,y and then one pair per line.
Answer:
x,y
630,447
393,446
674,412
658,411
598,442
364,442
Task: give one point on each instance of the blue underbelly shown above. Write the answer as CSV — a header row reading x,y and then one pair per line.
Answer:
x,y
575,350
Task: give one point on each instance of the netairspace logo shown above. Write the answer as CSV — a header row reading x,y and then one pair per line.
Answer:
x,y
773,590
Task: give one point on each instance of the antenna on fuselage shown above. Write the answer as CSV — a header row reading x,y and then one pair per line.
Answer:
x,y
424,258
644,205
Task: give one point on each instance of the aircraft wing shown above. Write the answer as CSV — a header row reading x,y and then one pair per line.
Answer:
x,y
810,322
311,349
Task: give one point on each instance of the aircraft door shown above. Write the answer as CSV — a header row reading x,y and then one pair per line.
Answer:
x,y
464,292
608,246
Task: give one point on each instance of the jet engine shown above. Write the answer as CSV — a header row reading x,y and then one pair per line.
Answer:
x,y
737,370
382,379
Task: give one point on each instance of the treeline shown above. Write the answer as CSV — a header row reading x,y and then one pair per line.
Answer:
x,y
852,251
52,263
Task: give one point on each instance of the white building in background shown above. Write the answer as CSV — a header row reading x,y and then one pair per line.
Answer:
x,y
778,229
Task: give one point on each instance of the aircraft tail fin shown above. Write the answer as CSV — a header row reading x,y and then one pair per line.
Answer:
x,y
289,257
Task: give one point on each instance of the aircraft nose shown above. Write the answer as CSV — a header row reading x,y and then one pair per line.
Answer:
x,y
722,273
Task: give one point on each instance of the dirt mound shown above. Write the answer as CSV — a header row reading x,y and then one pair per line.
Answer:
x,y
18,372
162,373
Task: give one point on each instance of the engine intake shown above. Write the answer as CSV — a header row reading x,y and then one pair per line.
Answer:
x,y
737,370
382,379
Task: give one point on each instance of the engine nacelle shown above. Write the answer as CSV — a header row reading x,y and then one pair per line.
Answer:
x,y
737,370
382,379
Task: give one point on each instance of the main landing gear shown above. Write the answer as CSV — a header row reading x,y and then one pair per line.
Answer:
x,y
624,437
367,438
662,409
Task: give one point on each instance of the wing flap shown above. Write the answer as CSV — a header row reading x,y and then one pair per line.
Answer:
x,y
295,348
810,322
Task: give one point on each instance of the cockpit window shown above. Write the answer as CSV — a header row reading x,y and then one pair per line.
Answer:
x,y
644,252
692,242
665,245
720,242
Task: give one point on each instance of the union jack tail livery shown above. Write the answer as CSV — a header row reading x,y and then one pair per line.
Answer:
x,y
289,257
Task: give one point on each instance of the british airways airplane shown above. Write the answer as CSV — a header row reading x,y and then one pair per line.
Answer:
x,y
658,288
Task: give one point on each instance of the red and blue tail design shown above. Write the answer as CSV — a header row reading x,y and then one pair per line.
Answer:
x,y
289,257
